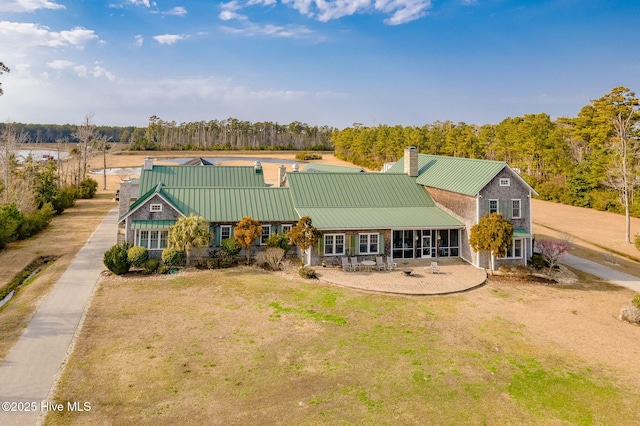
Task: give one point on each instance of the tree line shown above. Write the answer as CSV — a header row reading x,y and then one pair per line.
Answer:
x,y
592,160
228,134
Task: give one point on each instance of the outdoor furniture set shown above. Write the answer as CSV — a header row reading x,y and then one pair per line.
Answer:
x,y
352,264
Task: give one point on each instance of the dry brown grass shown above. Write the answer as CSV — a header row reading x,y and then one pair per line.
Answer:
x,y
246,347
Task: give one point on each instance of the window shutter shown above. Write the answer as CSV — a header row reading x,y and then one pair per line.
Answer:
x,y
381,243
355,244
320,245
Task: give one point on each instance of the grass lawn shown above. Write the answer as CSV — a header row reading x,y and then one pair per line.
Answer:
x,y
245,347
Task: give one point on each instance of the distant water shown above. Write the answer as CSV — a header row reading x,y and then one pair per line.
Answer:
x,y
118,171
39,154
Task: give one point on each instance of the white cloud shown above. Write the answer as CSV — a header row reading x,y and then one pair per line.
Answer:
x,y
287,31
398,11
80,70
168,38
143,3
28,5
139,40
20,35
176,11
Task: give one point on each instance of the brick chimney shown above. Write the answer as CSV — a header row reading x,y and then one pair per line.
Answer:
x,y
411,161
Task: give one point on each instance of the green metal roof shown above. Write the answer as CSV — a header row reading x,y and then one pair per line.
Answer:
x,y
521,233
373,190
232,204
198,176
330,168
152,224
365,201
462,175
380,218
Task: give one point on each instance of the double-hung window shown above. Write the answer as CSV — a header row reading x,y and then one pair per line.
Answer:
x,y
516,209
153,240
286,228
493,206
266,231
515,252
333,244
368,243
225,232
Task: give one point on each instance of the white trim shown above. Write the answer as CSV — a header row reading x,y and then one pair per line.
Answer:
x,y
368,243
333,244
155,208
509,254
264,237
505,182
230,228
497,205
519,200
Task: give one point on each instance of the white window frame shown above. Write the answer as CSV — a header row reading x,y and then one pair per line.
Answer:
x,y
158,239
511,253
368,236
265,235
497,210
513,208
155,208
505,182
225,227
334,244
286,227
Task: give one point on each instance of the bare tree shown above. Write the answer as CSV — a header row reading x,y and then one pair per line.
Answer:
x,y
10,139
620,109
86,134
3,68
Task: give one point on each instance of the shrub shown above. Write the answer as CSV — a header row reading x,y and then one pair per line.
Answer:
x,y
271,256
305,156
521,270
636,241
171,256
65,199
32,223
137,255
230,246
279,240
88,187
306,272
504,269
636,301
631,314
537,262
163,269
116,260
10,220
151,266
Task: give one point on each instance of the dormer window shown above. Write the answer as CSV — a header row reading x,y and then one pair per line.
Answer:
x,y
505,182
155,207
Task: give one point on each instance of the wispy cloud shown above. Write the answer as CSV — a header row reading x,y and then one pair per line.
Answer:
x,y
139,40
169,38
397,11
176,11
80,70
29,34
28,5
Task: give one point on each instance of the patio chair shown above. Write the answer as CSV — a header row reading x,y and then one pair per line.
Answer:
x,y
391,264
380,263
354,264
435,269
345,264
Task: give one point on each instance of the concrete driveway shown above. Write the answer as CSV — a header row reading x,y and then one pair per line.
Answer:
x,y
600,271
31,368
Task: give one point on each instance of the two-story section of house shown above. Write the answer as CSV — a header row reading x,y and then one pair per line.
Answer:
x,y
467,189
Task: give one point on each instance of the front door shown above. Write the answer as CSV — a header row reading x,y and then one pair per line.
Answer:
x,y
426,246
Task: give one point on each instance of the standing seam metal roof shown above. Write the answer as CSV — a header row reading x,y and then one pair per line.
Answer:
x,y
199,176
232,204
461,175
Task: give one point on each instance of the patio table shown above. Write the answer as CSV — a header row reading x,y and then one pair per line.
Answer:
x,y
368,264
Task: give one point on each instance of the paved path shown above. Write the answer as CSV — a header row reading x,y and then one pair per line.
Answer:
x,y
31,367
600,271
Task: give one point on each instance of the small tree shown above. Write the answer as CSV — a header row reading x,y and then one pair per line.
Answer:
x,y
188,232
552,251
492,233
304,235
246,232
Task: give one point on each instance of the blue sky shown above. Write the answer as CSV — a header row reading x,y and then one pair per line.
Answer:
x,y
321,62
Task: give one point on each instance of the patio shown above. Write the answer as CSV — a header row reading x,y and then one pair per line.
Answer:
x,y
455,276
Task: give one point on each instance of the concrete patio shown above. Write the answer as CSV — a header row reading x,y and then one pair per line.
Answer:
x,y
455,276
